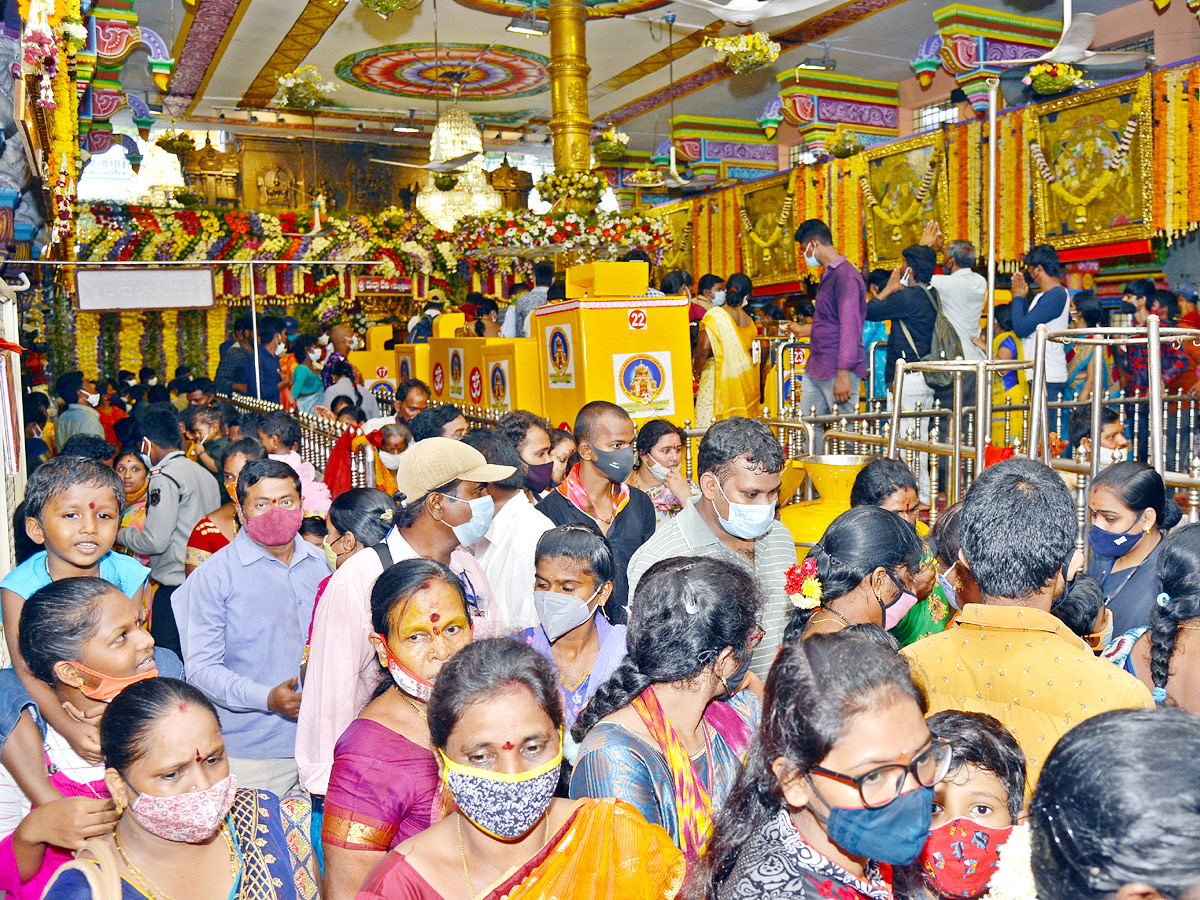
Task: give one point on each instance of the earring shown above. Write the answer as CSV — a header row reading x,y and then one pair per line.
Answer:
x,y
119,803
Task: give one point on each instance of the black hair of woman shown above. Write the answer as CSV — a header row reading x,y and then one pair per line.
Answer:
x,y
367,513
1140,488
684,613
879,479
738,288
582,542
654,431
341,368
855,544
486,669
814,689
126,730
1179,575
1116,812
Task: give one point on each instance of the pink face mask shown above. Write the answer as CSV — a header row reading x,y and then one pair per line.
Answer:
x,y
900,606
275,527
191,818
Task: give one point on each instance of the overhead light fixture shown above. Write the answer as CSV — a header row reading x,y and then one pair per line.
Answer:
x,y
820,64
456,134
410,128
528,23
360,127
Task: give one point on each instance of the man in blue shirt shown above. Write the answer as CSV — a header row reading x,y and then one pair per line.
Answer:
x,y
80,416
272,345
243,618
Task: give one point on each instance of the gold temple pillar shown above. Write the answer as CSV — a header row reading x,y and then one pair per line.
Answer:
x,y
570,123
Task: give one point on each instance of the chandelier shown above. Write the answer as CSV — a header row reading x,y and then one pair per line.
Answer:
x,y
457,135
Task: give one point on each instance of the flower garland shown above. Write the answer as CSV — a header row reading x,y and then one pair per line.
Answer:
x,y
588,186
129,337
1013,876
1054,78
170,341
782,220
918,200
87,338
215,335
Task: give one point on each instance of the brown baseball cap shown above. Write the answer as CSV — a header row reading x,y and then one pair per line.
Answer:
x,y
437,461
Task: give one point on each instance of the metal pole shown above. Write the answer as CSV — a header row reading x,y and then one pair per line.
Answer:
x,y
954,477
894,428
993,88
1037,397
983,427
254,327
1154,366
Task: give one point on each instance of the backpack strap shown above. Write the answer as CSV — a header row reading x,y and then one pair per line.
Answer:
x,y
384,552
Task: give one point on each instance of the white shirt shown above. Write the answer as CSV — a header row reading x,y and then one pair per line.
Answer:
x,y
1056,354
963,294
506,554
14,805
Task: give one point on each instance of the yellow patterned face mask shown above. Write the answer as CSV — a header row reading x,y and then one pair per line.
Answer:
x,y
501,805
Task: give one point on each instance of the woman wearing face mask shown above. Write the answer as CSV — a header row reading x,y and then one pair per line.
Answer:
x,y
574,578
862,566
721,363
80,636
891,485
495,722
1115,812
1130,512
389,441
344,386
562,449
660,452
955,579
659,733
134,473
384,786
306,383
220,526
839,787
185,828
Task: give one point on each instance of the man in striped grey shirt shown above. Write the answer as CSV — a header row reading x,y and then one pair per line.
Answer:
x,y
738,471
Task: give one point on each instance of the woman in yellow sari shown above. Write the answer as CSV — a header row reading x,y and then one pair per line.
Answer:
x,y
1007,387
507,835
721,363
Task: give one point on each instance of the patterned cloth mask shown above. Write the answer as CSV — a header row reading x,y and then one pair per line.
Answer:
x,y
192,817
503,806
960,856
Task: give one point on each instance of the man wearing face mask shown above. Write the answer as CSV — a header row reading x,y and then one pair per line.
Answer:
x,y
1040,298
1009,656
837,362
180,493
269,380
595,491
733,519
80,416
506,551
243,618
443,508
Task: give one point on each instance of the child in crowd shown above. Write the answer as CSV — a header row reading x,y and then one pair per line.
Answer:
x,y
89,447
1081,608
279,433
314,530
974,809
207,429
1112,433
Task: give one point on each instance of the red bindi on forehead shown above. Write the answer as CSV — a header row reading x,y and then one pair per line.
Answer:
x,y
91,504
435,617
508,745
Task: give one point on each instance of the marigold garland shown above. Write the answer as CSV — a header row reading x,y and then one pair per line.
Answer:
x,y
87,337
215,335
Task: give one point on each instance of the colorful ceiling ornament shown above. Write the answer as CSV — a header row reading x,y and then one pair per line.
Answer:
x,y
969,42
429,70
597,9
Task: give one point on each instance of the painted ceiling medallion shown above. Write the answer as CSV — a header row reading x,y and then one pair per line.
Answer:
x,y
597,9
423,70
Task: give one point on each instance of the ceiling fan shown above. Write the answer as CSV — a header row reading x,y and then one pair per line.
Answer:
x,y
1072,47
746,12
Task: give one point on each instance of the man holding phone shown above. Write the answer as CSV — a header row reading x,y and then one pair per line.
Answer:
x,y
906,304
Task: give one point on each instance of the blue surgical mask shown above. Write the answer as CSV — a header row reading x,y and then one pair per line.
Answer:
x,y
482,510
1112,545
811,261
748,521
718,298
948,589
894,834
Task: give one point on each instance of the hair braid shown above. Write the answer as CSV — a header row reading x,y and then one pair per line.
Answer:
x,y
623,685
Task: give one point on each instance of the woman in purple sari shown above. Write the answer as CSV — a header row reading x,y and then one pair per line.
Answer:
x,y
574,570
384,785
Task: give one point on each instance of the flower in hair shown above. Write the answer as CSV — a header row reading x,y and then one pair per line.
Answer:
x,y
1163,599
803,586
387,515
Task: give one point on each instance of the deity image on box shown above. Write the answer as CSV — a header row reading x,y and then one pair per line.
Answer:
x,y
499,385
1091,166
904,186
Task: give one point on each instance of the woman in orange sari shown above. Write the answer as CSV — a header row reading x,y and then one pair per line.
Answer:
x,y
495,723
722,364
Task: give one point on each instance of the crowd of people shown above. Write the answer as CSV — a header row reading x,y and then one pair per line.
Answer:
x,y
532,662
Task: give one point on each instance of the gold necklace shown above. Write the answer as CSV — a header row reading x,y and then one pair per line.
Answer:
x,y
407,699
462,848
143,879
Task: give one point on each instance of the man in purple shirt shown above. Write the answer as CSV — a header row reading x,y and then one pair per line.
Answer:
x,y
837,361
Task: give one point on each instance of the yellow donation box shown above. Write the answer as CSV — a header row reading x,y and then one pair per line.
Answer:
x,y
413,360
614,345
377,365
457,370
512,379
